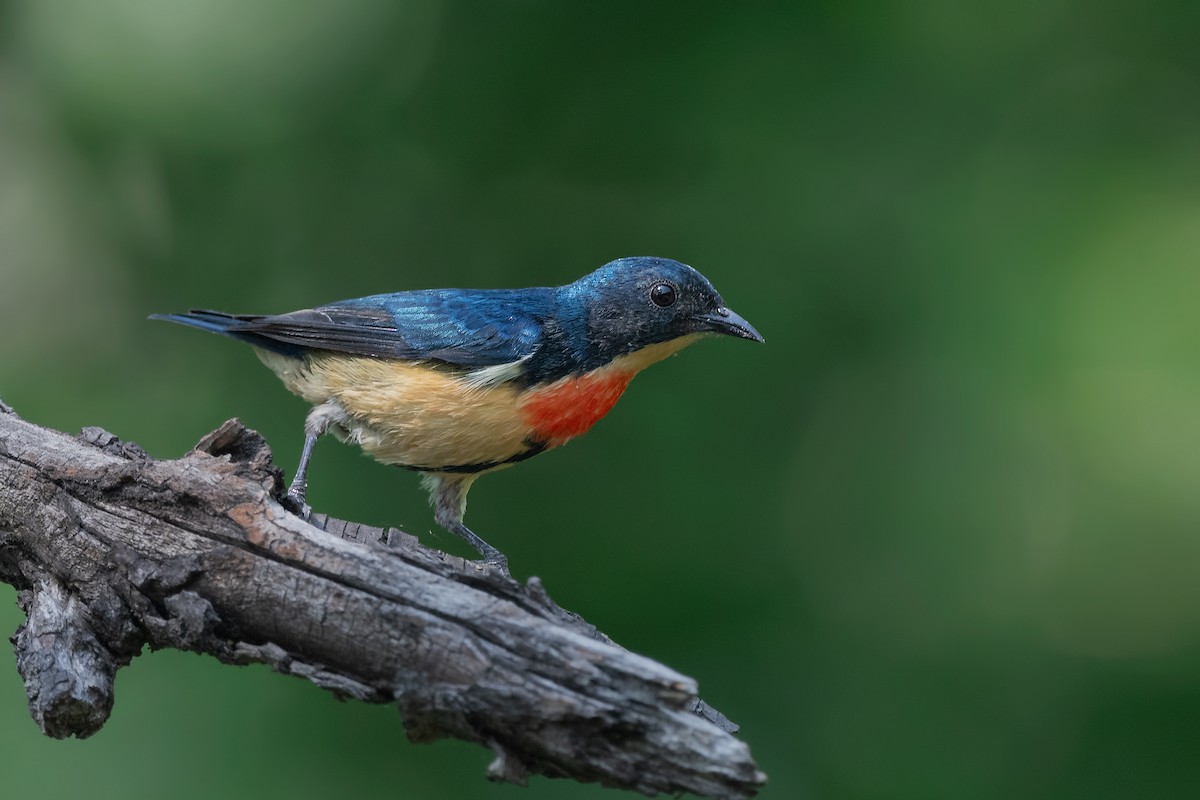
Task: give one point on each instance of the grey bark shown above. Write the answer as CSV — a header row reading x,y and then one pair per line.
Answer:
x,y
111,550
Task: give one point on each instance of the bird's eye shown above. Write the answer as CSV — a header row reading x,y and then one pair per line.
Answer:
x,y
662,294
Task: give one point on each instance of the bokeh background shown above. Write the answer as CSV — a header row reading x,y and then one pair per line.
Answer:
x,y
939,538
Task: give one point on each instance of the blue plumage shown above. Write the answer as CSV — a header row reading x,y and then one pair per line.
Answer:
x,y
465,327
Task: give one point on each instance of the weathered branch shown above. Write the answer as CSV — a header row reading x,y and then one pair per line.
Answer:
x,y
112,550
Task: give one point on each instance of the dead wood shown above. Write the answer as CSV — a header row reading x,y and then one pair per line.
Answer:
x,y
111,550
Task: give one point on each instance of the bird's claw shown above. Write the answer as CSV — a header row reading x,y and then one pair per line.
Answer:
x,y
497,562
294,502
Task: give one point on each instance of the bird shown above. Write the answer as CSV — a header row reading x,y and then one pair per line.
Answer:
x,y
456,383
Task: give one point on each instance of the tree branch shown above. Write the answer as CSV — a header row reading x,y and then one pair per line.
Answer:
x,y
111,550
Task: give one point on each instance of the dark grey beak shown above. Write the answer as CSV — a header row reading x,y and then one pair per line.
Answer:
x,y
729,323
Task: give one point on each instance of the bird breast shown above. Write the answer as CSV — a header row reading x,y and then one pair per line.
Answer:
x,y
424,416
569,407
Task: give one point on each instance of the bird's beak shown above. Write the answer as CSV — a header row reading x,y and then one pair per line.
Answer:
x,y
722,320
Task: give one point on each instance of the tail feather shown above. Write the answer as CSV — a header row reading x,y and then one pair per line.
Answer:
x,y
227,325
214,321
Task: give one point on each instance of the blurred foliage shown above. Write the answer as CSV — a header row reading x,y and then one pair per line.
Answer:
x,y
939,538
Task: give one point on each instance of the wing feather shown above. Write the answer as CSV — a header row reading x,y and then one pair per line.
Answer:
x,y
470,329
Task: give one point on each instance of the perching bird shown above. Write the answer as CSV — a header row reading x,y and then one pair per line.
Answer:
x,y
454,383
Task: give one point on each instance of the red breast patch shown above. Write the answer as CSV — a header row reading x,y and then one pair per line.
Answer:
x,y
569,408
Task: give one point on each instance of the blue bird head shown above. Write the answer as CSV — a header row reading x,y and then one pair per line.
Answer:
x,y
635,302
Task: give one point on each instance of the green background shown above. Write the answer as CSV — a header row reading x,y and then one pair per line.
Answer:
x,y
938,538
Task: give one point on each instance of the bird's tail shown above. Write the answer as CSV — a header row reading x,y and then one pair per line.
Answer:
x,y
215,321
227,325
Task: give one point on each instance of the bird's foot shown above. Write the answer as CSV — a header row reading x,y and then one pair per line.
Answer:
x,y
448,500
496,562
294,502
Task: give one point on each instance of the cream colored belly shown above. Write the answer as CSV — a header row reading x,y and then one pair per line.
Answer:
x,y
410,413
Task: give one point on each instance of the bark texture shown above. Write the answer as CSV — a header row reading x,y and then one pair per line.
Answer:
x,y
111,550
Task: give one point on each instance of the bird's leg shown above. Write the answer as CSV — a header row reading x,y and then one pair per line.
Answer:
x,y
319,420
448,496
298,490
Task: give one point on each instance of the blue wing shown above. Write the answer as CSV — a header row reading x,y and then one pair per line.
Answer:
x,y
467,328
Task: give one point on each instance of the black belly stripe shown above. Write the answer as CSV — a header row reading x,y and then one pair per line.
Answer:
x,y
533,449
